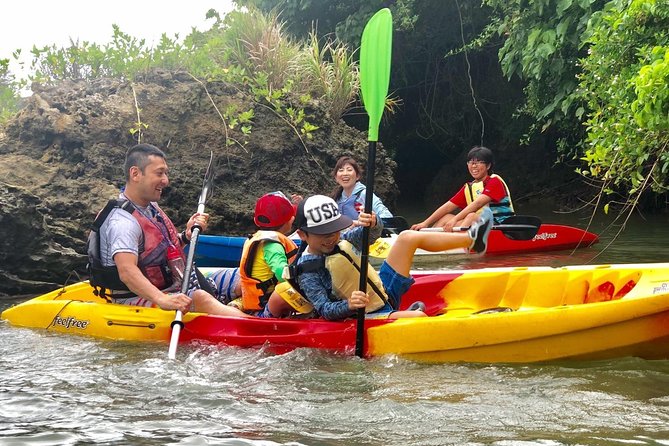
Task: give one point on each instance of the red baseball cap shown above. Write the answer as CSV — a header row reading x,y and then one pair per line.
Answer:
x,y
273,210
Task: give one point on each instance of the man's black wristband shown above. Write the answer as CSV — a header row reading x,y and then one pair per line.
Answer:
x,y
183,238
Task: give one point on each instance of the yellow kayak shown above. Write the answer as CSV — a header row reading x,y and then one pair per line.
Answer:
x,y
524,314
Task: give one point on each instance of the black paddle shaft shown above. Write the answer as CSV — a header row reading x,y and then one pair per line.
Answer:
x,y
364,258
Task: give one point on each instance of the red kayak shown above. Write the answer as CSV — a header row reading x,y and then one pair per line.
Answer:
x,y
549,238
220,250
511,239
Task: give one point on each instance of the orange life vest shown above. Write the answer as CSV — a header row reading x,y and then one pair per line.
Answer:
x,y
256,290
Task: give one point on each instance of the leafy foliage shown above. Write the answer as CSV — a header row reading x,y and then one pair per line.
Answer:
x,y
543,43
596,73
8,96
624,82
248,49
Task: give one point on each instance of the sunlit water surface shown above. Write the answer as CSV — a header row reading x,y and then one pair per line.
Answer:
x,y
62,390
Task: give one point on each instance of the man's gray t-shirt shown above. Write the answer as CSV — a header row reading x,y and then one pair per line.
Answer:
x,y
119,233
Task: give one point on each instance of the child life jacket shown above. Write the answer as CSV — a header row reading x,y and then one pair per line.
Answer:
x,y
152,260
501,209
344,267
256,290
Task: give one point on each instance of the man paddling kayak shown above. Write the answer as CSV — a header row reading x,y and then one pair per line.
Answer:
x,y
131,237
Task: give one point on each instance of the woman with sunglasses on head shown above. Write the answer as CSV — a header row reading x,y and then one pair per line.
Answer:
x,y
486,189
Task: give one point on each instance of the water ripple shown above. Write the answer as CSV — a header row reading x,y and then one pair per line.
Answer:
x,y
66,390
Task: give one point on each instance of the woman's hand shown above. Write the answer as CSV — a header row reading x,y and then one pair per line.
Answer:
x,y
296,198
365,219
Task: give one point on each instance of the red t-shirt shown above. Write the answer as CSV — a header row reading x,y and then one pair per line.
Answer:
x,y
492,187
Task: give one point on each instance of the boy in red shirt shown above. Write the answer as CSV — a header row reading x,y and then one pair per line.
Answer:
x,y
487,189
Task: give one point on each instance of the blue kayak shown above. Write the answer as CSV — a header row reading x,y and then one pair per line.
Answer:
x,y
219,250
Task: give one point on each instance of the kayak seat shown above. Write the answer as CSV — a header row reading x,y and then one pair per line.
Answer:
x,y
427,290
611,286
600,293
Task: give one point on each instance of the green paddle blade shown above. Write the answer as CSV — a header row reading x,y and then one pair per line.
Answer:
x,y
375,52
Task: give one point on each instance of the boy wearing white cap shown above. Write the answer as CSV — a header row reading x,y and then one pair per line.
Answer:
x,y
332,289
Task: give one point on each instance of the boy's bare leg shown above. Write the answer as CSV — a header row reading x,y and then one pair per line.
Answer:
x,y
401,254
206,303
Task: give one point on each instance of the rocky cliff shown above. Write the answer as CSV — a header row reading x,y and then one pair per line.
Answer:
x,y
61,159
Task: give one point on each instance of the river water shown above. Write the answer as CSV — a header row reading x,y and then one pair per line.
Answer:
x,y
62,390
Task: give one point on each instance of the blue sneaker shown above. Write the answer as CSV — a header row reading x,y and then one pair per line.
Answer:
x,y
480,230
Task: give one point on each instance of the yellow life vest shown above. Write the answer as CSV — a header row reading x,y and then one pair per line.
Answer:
x,y
504,208
256,277
344,267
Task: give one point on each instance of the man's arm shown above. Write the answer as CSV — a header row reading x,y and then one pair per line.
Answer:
x,y
132,276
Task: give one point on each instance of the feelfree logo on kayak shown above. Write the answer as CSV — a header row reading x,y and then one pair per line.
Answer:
x,y
664,288
545,236
70,322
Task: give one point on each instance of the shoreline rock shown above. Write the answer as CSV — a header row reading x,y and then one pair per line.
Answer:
x,y
61,159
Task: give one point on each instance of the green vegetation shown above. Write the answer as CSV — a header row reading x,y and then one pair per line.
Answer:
x,y
542,45
597,71
624,88
249,50
9,97
584,79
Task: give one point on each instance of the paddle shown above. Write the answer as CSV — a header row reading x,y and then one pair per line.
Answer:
x,y
516,227
395,224
375,51
195,232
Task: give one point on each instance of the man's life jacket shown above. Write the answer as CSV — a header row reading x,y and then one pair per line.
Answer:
x,y
344,266
257,289
501,209
157,235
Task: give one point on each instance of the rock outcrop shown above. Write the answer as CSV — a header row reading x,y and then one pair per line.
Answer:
x,y
61,159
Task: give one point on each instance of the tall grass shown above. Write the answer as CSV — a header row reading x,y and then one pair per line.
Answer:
x,y
248,48
329,73
257,43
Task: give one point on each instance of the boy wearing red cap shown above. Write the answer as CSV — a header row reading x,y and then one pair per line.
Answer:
x,y
267,252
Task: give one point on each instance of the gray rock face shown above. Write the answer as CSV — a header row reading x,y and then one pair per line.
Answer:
x,y
61,159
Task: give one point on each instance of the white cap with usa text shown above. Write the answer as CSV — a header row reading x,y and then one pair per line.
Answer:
x,y
320,214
